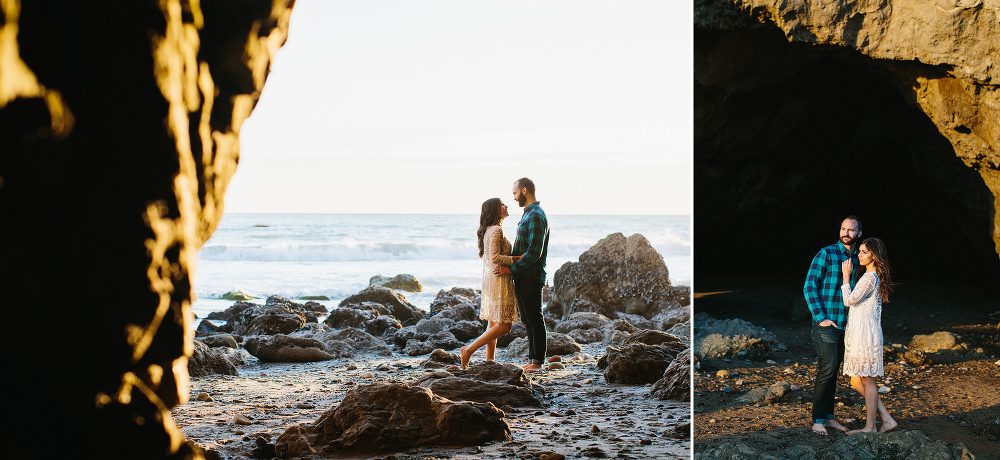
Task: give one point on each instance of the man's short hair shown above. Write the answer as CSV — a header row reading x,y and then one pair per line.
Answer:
x,y
856,220
524,182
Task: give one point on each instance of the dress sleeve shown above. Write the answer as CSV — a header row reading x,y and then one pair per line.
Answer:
x,y
496,248
865,286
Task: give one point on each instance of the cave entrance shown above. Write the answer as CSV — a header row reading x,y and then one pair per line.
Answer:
x,y
791,138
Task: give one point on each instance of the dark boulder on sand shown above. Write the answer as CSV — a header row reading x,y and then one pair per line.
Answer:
x,y
392,417
440,358
582,320
487,381
894,445
208,361
268,320
395,302
732,338
636,362
617,274
676,381
344,343
281,348
444,300
219,340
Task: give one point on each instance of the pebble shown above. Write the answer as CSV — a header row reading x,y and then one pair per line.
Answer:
x,y
556,365
385,367
204,397
595,429
366,375
645,442
553,456
555,359
711,420
723,374
771,361
738,382
305,406
351,367
241,420
570,412
789,370
883,389
575,385
727,390
587,382
795,388
916,387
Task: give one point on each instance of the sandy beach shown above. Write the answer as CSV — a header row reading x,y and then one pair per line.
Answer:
x,y
956,402
583,417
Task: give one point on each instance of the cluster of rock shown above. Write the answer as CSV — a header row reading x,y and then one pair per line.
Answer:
x,y
941,347
732,338
650,356
894,445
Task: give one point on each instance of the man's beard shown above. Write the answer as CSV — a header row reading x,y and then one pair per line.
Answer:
x,y
848,240
521,200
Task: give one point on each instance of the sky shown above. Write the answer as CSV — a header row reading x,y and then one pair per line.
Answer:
x,y
434,106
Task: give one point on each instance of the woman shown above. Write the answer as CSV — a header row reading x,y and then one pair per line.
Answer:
x,y
863,335
498,306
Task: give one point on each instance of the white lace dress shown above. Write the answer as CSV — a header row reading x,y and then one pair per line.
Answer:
x,y
863,336
498,302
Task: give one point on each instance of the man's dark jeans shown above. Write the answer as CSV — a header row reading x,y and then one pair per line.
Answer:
x,y
528,292
830,350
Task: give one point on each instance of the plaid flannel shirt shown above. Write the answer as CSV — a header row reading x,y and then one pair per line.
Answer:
x,y
532,243
822,287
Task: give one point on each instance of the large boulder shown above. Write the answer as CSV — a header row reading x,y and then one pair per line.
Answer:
x,y
345,343
732,338
676,381
616,274
395,302
582,320
207,361
388,417
219,340
776,392
281,348
268,319
637,363
487,381
402,282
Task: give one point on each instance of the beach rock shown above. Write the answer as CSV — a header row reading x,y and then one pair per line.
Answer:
x,y
457,312
387,417
350,317
941,347
395,302
676,381
517,330
487,381
654,337
402,282
623,325
445,300
208,361
615,338
403,336
444,340
681,330
555,344
668,318
586,335
219,340
232,312
268,319
550,323
440,358
895,445
382,325
281,348
583,320
741,347
416,347
236,295
346,342
206,328
637,363
635,320
777,392
238,356
623,274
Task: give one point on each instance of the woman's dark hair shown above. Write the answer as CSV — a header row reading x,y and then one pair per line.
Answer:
x,y
882,267
489,216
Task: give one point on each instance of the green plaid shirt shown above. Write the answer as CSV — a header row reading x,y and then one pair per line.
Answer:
x,y
532,243
822,287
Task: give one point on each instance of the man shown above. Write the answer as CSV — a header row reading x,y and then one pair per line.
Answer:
x,y
532,245
829,317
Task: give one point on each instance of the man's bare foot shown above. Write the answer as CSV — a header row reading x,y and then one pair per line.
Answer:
x,y
863,430
888,426
819,429
465,356
532,367
833,423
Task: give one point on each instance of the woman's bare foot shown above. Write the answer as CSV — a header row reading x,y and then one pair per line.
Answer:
x,y
833,423
465,356
887,426
532,367
819,429
863,430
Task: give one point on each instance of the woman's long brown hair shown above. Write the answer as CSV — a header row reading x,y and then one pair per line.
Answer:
x,y
489,216
882,267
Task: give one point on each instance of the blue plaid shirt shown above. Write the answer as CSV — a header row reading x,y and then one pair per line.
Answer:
x,y
822,288
532,243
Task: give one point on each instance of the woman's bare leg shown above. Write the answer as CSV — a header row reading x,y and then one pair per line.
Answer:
x,y
871,404
491,347
888,423
496,331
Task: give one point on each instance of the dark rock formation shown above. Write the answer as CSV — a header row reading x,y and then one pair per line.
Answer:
x,y
281,348
219,340
555,344
396,303
346,342
776,392
402,282
901,87
119,132
271,318
487,381
582,320
894,445
676,382
394,417
207,361
440,358
616,275
732,338
637,363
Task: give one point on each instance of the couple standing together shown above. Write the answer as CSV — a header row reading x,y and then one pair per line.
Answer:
x,y
512,284
845,288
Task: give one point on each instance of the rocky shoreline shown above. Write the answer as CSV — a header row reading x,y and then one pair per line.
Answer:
x,y
379,378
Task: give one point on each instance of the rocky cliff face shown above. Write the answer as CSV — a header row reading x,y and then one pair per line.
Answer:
x,y
806,112
119,131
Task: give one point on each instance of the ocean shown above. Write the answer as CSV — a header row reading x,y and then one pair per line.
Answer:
x,y
335,255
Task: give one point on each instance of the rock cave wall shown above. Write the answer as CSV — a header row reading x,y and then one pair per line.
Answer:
x,y
119,131
806,112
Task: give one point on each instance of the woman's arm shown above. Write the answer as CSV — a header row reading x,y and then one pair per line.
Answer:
x,y
496,249
866,285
